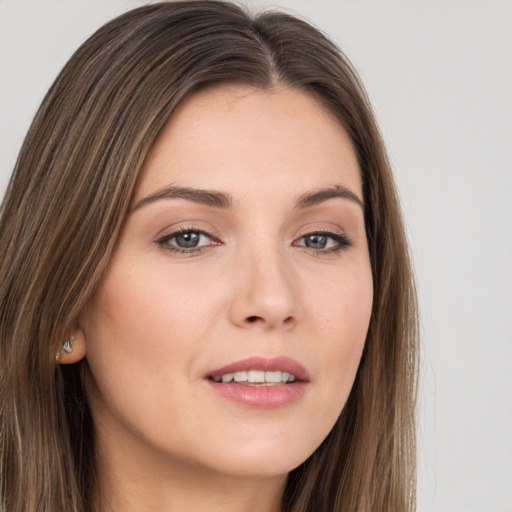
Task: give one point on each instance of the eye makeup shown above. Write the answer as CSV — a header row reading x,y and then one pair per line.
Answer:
x,y
189,240
324,242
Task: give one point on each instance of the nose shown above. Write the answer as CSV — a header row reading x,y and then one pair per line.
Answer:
x,y
265,293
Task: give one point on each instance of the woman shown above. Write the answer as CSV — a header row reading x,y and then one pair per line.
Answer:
x,y
206,296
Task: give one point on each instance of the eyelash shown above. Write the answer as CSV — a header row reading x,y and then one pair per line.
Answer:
x,y
343,242
163,241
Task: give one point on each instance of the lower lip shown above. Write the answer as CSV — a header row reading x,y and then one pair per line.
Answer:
x,y
261,397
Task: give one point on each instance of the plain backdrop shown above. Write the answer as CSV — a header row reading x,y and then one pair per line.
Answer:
x,y
440,76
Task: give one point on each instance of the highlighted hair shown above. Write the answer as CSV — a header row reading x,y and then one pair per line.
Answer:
x,y
64,210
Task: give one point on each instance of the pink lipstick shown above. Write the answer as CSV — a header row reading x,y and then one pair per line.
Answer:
x,y
259,382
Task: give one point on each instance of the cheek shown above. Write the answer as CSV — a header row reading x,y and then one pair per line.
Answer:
x,y
343,306
342,315
144,332
139,313
141,336
124,329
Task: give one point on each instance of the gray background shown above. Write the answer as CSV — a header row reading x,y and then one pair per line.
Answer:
x,y
439,75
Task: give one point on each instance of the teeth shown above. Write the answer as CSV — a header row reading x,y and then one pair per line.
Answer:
x,y
273,376
240,376
256,377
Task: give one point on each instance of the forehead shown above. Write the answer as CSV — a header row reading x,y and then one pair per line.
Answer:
x,y
240,139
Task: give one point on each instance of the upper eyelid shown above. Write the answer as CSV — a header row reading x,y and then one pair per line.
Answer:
x,y
170,231
185,229
324,231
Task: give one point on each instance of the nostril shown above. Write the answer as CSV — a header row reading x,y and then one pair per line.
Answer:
x,y
254,318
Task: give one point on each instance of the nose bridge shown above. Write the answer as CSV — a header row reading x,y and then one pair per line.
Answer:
x,y
266,289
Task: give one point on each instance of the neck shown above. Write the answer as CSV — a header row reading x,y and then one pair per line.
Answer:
x,y
187,489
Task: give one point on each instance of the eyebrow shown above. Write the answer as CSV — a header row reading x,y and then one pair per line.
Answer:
x,y
313,198
196,195
225,201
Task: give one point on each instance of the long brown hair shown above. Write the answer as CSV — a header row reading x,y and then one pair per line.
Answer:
x,y
64,210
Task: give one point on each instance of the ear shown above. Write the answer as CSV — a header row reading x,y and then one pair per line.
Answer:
x,y
72,350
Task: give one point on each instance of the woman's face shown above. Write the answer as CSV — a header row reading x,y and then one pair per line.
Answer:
x,y
243,260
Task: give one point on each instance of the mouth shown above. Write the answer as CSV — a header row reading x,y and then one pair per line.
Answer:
x,y
261,382
256,378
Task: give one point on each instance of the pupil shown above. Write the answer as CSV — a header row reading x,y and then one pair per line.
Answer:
x,y
190,239
316,241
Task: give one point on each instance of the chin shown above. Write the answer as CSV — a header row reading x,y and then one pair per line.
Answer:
x,y
260,459
258,466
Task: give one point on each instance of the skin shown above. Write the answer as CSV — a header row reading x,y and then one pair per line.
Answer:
x,y
161,319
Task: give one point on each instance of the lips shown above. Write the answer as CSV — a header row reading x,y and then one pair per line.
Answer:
x,y
261,382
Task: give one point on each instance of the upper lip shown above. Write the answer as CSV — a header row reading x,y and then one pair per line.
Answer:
x,y
272,364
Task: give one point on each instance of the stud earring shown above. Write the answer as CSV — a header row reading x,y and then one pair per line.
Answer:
x,y
66,348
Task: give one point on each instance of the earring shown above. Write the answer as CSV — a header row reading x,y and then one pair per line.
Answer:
x,y
66,348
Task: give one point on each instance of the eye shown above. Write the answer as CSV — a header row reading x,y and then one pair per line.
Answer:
x,y
186,241
324,242
317,241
